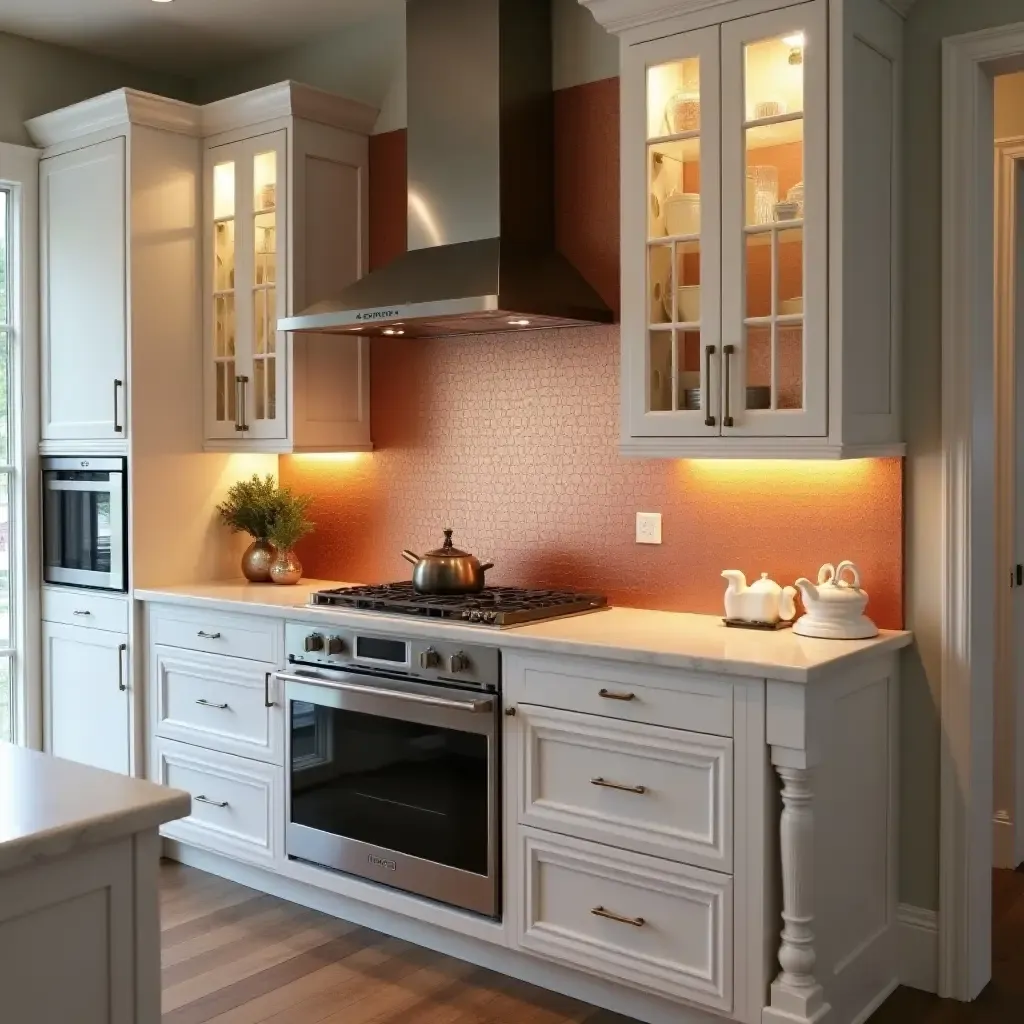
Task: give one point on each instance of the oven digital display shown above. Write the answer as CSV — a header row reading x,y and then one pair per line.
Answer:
x,y
377,648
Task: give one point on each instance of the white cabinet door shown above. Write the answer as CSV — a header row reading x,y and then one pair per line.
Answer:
x,y
82,216
775,223
85,679
246,289
671,186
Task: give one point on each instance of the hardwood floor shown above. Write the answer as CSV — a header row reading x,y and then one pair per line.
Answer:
x,y
232,955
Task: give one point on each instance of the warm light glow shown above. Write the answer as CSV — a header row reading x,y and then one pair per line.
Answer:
x,y
389,331
520,323
331,456
781,476
797,40
421,211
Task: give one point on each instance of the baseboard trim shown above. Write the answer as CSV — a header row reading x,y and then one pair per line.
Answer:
x,y
917,931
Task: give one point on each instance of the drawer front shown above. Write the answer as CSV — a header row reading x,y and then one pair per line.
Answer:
x,y
656,925
238,636
237,805
655,696
658,791
84,608
219,703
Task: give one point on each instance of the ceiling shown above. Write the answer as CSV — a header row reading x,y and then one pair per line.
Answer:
x,y
183,36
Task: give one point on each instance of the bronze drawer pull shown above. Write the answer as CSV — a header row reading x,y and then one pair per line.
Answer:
x,y
209,704
612,695
636,922
639,790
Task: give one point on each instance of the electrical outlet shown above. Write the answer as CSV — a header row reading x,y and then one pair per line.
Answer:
x,y
648,527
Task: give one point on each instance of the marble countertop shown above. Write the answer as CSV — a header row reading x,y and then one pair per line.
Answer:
x,y
50,807
674,640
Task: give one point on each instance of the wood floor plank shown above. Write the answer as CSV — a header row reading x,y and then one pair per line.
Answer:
x,y
213,929
188,907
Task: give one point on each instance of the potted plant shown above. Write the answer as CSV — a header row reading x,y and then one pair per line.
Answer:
x,y
251,507
290,525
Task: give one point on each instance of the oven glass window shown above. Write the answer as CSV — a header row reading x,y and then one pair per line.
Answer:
x,y
78,528
416,789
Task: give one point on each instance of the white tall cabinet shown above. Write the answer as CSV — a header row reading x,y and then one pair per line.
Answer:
x,y
760,145
84,330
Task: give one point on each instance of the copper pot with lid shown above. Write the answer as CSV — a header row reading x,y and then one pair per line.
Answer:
x,y
447,570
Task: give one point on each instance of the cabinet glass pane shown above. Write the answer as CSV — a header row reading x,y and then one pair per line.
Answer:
x,y
260,390
225,386
264,181
690,393
673,98
223,190
759,368
774,172
659,283
271,389
774,76
259,319
271,320
661,371
265,241
758,280
790,366
687,263
790,284
224,326
674,187
224,256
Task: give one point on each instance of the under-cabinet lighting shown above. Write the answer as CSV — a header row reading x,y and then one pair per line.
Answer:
x,y
797,40
389,332
520,323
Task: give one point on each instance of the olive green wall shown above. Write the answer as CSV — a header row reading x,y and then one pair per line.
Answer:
x,y
36,78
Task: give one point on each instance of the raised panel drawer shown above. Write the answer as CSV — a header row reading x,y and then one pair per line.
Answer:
x,y
650,923
658,791
238,636
85,608
225,704
237,804
656,696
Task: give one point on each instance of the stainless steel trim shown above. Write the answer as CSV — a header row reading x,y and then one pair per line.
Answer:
x,y
636,922
640,790
612,695
200,799
728,350
209,704
121,684
118,429
709,420
62,463
385,315
473,707
208,636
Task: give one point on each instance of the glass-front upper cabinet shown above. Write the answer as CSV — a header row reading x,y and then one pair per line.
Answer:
x,y
245,386
725,181
775,223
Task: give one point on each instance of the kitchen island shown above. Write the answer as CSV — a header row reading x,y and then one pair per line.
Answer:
x,y
79,914
693,822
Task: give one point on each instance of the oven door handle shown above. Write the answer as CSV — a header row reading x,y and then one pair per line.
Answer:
x,y
473,707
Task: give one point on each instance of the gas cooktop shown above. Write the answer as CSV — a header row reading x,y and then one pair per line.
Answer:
x,y
493,606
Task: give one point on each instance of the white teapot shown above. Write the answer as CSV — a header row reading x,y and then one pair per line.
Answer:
x,y
835,607
764,601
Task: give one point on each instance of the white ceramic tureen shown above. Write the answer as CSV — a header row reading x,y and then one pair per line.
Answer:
x,y
835,607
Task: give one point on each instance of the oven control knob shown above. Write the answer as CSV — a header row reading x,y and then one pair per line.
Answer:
x,y
458,663
335,645
430,658
313,642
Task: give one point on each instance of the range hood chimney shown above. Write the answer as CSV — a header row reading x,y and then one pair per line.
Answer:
x,y
482,252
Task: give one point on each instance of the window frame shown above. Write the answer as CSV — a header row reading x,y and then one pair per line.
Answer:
x,y
19,177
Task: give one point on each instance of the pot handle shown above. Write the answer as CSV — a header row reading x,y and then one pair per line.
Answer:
x,y
848,567
411,556
484,566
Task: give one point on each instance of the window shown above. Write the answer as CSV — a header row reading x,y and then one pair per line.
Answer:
x,y
18,432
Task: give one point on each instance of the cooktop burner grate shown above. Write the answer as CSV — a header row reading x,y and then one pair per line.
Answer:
x,y
493,606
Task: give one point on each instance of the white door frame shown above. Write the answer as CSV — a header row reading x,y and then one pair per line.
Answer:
x,y
1008,819
968,504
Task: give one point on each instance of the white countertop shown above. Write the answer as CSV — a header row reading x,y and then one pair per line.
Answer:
x,y
50,807
675,640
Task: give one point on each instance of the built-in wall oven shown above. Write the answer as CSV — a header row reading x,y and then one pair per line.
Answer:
x,y
394,762
85,538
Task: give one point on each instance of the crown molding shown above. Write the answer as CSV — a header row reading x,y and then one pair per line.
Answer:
x,y
122,107
286,99
621,15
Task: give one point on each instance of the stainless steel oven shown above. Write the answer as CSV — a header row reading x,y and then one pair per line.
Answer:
x,y
394,767
84,522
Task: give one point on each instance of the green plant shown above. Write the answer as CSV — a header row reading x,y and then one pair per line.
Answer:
x,y
290,523
252,506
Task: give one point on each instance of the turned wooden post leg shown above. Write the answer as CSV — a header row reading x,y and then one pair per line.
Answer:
x,y
796,995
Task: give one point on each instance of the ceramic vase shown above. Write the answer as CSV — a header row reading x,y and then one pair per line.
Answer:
x,y
257,560
286,569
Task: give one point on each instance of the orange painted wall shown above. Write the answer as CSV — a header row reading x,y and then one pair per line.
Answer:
x,y
512,440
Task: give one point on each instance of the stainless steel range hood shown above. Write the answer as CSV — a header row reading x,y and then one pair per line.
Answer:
x,y
481,253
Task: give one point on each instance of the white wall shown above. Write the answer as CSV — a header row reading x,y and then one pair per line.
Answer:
x,y
367,62
36,78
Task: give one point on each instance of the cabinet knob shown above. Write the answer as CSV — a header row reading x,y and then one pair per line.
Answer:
x,y
335,645
313,642
429,658
458,663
